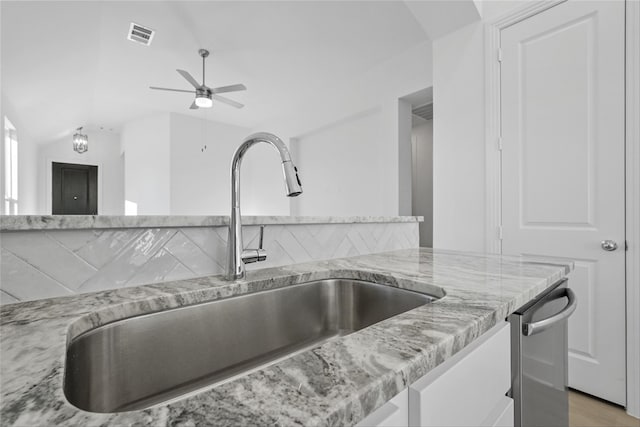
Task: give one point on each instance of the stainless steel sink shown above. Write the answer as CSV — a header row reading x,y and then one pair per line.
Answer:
x,y
141,361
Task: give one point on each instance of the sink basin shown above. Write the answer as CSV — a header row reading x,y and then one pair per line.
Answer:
x,y
138,362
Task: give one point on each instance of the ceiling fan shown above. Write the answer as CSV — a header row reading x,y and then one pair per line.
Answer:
x,y
204,94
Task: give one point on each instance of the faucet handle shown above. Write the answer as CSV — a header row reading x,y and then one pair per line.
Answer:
x,y
262,253
261,236
255,255
250,256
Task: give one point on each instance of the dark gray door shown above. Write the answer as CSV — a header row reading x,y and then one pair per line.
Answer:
x,y
75,189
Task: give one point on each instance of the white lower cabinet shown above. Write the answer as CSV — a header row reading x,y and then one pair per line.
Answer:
x,y
466,390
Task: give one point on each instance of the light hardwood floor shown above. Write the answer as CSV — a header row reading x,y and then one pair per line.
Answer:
x,y
587,411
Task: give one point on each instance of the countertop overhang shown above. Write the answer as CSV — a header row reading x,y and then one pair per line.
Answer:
x,y
338,383
83,222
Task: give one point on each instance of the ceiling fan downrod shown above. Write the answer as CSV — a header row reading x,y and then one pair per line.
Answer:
x,y
204,53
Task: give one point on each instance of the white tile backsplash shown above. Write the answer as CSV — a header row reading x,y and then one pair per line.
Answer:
x,y
25,282
46,263
51,258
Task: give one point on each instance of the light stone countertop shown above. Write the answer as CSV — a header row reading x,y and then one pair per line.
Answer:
x,y
79,222
337,383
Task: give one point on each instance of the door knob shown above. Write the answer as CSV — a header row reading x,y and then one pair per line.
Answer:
x,y
75,197
609,245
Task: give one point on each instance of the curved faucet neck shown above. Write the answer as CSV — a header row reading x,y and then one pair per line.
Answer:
x,y
235,268
236,161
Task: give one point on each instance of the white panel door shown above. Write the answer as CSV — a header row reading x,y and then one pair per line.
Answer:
x,y
562,94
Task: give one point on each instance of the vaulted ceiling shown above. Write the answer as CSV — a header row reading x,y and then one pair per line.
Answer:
x,y
68,63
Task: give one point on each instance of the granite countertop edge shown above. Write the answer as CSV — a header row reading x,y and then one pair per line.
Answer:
x,y
82,222
337,383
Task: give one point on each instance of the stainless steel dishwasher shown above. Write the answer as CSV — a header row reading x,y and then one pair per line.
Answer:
x,y
539,357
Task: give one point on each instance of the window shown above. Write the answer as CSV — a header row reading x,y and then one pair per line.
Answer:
x,y
130,208
10,168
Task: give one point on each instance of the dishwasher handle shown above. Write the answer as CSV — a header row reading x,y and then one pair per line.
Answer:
x,y
533,328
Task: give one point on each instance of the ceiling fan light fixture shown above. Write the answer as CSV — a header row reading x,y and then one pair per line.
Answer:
x,y
204,101
204,94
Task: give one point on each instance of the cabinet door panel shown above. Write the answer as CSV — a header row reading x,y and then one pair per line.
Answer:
x,y
465,389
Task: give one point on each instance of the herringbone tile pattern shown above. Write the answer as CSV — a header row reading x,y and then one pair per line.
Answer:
x,y
44,264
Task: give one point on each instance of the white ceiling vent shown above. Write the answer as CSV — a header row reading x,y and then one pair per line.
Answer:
x,y
140,34
424,111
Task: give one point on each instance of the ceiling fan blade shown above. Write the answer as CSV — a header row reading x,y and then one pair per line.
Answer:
x,y
174,90
232,88
189,78
193,105
227,101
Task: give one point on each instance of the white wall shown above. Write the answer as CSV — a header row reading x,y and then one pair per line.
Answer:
x,y
27,174
200,182
27,161
458,140
147,164
422,177
459,133
104,152
359,120
341,168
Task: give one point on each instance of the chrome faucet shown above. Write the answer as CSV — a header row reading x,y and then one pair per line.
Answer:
x,y
237,256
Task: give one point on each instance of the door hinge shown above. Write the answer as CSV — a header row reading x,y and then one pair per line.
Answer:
x,y
626,246
499,232
499,143
499,55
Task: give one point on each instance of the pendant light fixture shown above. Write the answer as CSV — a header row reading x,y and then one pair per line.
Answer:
x,y
80,141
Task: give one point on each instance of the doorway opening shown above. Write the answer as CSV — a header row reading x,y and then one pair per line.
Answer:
x,y
74,189
418,140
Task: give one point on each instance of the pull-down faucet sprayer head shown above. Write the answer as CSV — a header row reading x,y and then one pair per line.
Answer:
x,y
291,179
